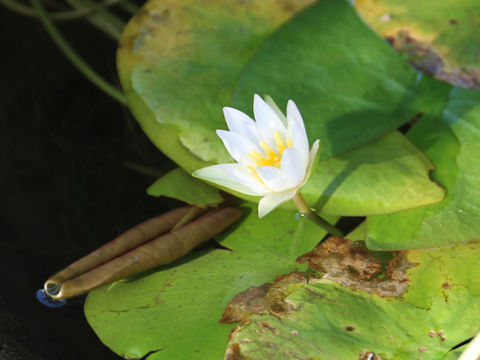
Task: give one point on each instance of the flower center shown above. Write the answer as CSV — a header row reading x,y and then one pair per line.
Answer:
x,y
272,157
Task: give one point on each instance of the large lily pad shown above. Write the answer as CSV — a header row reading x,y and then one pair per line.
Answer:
x,y
176,85
440,38
449,133
323,320
176,309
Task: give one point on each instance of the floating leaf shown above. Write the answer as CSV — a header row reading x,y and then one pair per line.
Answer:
x,y
349,85
387,175
323,320
449,133
176,309
440,38
179,184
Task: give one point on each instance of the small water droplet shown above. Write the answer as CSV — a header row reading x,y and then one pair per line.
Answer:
x,y
299,216
46,300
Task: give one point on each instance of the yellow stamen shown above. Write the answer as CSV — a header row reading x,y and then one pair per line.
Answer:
x,y
269,153
279,142
271,157
256,157
254,173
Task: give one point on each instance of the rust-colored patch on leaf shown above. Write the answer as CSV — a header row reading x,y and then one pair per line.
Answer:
x,y
234,353
268,326
340,260
422,56
258,299
352,265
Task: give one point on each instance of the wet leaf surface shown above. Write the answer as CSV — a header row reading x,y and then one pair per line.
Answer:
x,y
324,320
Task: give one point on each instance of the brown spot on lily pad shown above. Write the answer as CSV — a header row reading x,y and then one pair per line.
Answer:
x,y
421,55
340,260
259,299
337,255
353,266
266,325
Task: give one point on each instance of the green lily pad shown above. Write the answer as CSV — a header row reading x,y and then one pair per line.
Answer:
x,y
323,320
449,134
176,309
389,174
179,184
348,83
440,38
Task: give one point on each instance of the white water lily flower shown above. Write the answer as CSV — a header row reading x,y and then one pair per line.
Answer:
x,y
273,159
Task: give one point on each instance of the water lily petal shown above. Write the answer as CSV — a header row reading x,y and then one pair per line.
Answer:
x,y
238,146
312,161
299,138
293,168
244,176
230,176
272,178
294,113
271,201
242,124
275,108
267,121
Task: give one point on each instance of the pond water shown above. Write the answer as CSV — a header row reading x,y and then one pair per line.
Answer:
x,y
65,189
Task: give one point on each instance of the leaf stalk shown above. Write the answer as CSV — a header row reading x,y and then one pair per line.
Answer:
x,y
308,213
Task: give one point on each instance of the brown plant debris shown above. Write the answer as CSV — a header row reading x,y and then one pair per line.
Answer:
x,y
352,265
258,299
425,58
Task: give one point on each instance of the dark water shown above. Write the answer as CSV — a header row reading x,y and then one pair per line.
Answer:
x,y
63,187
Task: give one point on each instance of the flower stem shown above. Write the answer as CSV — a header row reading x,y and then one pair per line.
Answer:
x,y
306,212
473,350
73,57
